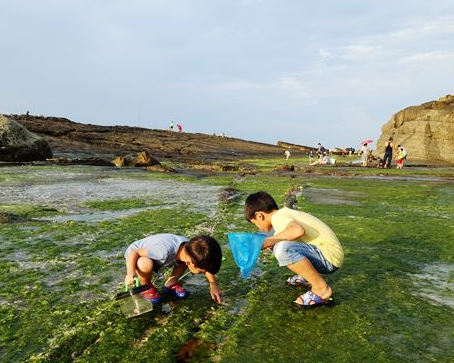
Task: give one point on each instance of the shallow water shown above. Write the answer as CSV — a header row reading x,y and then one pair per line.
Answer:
x,y
67,189
331,196
436,283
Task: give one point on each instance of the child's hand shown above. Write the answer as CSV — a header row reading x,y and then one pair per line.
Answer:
x,y
216,293
129,279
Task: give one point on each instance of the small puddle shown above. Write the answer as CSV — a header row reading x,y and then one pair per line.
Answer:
x,y
436,283
331,196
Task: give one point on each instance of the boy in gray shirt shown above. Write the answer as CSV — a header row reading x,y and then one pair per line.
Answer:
x,y
201,254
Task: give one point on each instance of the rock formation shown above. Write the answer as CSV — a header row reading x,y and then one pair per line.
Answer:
x,y
426,131
17,144
73,140
142,159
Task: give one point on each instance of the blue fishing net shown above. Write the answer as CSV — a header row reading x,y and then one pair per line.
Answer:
x,y
245,248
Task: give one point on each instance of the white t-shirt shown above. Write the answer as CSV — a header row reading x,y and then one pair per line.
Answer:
x,y
161,248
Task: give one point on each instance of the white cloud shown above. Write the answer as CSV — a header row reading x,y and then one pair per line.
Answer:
x,y
294,86
427,57
361,51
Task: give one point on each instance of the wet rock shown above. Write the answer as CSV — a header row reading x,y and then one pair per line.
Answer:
x,y
10,218
285,167
19,144
229,195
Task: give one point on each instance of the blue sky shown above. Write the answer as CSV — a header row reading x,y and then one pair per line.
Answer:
x,y
262,70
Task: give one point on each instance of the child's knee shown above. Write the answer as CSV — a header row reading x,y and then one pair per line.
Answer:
x,y
280,252
145,264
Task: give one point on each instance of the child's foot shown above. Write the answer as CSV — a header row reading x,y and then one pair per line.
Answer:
x,y
310,300
152,295
177,290
297,280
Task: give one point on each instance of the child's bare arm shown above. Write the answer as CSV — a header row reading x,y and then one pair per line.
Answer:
x,y
292,232
215,292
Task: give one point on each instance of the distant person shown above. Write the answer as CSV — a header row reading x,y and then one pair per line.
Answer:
x,y
287,154
389,149
28,113
311,156
400,156
320,150
171,126
180,128
301,242
404,151
323,160
201,254
364,152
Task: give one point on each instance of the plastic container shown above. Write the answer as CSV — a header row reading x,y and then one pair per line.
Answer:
x,y
245,249
132,303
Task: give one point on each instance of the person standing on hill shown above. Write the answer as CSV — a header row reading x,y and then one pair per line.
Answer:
x,y
389,149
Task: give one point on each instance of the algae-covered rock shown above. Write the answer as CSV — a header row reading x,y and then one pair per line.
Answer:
x,y
19,144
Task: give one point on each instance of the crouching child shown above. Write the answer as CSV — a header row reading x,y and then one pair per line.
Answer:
x,y
201,255
301,242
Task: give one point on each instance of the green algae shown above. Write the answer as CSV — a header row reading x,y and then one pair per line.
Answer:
x,y
59,281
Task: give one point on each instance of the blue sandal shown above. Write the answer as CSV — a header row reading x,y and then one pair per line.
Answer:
x,y
311,300
298,280
177,290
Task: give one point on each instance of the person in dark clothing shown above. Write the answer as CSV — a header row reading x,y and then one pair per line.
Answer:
x,y
389,149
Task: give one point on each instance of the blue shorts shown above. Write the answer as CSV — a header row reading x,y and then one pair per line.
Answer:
x,y
288,253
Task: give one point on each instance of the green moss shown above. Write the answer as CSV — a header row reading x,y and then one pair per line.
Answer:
x,y
120,204
58,280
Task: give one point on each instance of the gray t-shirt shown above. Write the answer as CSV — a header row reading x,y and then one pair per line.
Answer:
x,y
161,248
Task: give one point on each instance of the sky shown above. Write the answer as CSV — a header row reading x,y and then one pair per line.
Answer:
x,y
297,71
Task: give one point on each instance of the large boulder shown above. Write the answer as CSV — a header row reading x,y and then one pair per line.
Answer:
x,y
19,144
426,131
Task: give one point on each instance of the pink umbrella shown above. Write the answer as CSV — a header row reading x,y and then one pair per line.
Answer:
x,y
368,141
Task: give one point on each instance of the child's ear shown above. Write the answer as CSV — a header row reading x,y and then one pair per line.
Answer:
x,y
260,216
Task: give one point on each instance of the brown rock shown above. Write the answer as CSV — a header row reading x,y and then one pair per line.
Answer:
x,y
75,140
144,159
426,131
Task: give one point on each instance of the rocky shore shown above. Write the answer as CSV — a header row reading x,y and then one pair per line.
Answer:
x,y
68,139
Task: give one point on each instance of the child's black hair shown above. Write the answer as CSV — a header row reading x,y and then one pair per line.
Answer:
x,y
205,253
258,202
